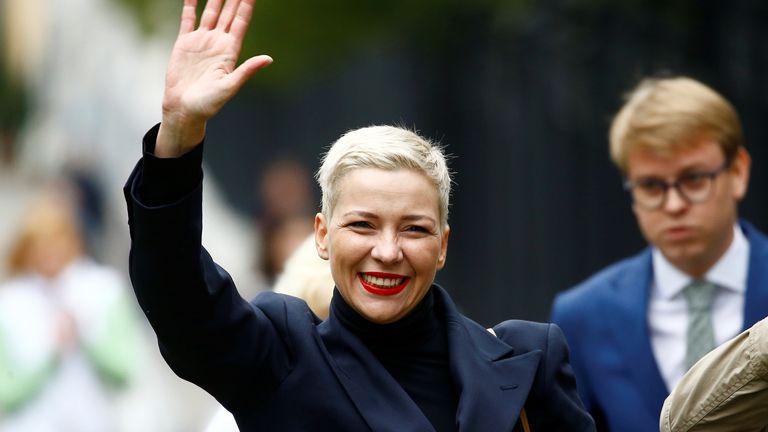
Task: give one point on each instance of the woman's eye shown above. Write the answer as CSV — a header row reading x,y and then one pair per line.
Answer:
x,y
360,224
417,228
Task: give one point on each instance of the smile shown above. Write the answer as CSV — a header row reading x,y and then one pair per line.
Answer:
x,y
383,284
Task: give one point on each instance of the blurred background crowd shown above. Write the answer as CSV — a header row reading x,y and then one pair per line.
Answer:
x,y
519,91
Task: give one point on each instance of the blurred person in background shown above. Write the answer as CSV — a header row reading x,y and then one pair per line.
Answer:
x,y
636,327
306,276
67,329
285,214
280,237
394,354
285,189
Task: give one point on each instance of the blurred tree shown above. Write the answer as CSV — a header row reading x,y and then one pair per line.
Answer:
x,y
13,108
309,38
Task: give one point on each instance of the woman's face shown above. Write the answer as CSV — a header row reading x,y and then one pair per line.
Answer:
x,y
384,241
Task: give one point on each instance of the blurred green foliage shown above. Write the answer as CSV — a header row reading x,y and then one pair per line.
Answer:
x,y
308,37
13,101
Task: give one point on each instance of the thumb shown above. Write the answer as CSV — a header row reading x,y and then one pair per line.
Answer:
x,y
249,67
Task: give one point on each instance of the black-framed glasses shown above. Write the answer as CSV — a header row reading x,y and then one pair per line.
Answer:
x,y
693,187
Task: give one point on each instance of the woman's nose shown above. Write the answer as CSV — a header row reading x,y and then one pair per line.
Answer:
x,y
387,249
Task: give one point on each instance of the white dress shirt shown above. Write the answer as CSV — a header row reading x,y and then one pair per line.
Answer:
x,y
668,309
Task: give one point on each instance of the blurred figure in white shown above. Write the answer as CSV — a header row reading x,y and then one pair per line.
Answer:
x,y
67,329
305,276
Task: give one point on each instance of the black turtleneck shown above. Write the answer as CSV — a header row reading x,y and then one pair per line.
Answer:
x,y
414,350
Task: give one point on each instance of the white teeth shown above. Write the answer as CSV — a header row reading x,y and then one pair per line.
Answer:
x,y
382,282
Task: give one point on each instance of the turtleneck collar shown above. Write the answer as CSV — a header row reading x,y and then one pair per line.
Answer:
x,y
420,325
414,350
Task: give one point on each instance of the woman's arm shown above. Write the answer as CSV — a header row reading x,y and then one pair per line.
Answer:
x,y
207,333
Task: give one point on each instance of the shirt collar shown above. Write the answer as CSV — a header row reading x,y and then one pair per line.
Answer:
x,y
729,272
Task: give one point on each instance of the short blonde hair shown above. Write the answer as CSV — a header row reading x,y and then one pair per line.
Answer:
x,y
662,114
388,148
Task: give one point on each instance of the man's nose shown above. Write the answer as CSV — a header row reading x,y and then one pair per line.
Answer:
x,y
674,201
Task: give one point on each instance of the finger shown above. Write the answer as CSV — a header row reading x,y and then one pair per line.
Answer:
x,y
246,70
210,14
227,14
242,19
188,17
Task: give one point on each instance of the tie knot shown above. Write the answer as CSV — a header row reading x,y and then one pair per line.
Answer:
x,y
699,294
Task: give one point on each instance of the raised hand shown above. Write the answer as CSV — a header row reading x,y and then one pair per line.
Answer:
x,y
202,74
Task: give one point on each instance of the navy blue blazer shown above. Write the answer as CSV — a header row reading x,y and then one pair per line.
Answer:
x,y
277,367
605,321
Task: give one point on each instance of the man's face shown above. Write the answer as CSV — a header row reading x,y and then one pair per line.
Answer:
x,y
384,241
691,236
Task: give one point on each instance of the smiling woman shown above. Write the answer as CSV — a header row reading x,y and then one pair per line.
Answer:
x,y
394,354
383,240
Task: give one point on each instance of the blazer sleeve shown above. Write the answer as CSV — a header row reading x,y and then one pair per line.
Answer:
x,y
726,390
553,403
207,333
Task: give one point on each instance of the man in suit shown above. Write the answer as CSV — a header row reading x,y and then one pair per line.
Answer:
x,y
635,327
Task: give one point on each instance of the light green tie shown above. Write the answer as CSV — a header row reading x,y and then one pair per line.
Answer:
x,y
700,338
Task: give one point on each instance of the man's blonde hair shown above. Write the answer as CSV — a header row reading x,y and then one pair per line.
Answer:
x,y
662,114
388,148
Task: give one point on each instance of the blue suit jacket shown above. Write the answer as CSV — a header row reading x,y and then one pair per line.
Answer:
x,y
605,321
276,367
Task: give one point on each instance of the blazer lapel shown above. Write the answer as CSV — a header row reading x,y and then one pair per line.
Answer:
x,y
385,408
756,297
628,324
492,381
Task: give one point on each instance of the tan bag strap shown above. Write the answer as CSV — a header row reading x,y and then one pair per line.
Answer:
x,y
523,414
524,420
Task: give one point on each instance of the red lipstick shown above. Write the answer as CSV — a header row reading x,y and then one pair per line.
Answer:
x,y
383,291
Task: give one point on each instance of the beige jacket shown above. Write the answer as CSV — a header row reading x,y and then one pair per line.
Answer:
x,y
727,390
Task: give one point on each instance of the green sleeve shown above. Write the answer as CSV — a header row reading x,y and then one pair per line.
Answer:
x,y
114,352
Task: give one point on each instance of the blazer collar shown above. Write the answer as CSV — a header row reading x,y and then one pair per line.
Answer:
x,y
628,328
493,380
493,383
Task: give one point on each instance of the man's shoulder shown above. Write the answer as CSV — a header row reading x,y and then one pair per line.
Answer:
x,y
604,279
593,298
753,235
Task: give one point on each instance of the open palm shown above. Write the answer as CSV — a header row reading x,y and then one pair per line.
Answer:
x,y
202,71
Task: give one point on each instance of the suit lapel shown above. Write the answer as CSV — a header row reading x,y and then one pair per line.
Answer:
x,y
493,383
756,297
628,326
379,399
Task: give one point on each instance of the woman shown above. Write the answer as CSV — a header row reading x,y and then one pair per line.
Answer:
x,y
394,354
67,331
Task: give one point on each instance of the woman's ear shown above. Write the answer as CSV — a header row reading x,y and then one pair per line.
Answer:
x,y
321,236
443,248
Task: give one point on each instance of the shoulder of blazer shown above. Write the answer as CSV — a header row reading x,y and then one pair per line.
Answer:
x,y
289,315
523,336
755,237
582,297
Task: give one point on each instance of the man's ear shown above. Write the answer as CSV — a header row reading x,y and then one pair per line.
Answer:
x,y
443,248
740,173
321,236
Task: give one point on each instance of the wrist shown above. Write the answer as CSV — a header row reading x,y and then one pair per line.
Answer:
x,y
178,134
